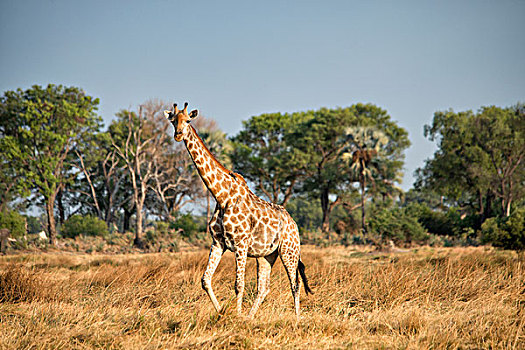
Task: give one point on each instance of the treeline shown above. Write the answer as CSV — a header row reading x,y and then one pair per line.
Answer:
x,y
336,170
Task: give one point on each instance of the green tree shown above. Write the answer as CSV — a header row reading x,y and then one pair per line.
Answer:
x,y
479,158
39,129
501,138
306,213
11,185
264,156
318,138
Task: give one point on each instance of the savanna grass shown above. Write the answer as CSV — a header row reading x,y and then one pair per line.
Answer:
x,y
446,298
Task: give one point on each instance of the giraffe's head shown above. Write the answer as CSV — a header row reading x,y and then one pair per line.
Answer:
x,y
180,120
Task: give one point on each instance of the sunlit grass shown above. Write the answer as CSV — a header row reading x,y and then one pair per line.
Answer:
x,y
430,298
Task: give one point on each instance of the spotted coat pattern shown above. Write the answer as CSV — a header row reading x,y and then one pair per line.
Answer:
x,y
242,222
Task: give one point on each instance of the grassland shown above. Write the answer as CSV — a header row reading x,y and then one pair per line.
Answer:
x,y
470,298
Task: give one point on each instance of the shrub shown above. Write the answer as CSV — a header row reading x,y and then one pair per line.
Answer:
x,y
84,225
506,233
14,222
34,225
436,222
450,223
186,224
162,227
151,236
396,224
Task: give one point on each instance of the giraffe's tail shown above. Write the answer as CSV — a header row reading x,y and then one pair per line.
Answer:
x,y
303,277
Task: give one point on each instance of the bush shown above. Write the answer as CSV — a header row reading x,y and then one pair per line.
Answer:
x,y
506,233
396,224
435,222
34,224
14,222
450,223
84,225
186,224
163,228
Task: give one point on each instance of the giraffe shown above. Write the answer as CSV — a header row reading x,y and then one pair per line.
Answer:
x,y
242,222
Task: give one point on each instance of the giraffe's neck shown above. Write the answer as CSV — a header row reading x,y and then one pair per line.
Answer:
x,y
215,176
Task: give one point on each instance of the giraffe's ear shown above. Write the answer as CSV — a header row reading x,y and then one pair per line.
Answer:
x,y
194,113
167,115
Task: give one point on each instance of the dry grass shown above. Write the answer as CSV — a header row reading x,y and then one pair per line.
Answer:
x,y
445,298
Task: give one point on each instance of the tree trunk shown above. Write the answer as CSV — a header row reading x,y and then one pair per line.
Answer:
x,y
482,212
60,204
488,204
138,230
288,193
127,219
51,225
108,217
507,209
4,234
481,206
363,212
325,206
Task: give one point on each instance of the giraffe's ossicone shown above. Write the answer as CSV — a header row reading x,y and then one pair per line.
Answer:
x,y
242,222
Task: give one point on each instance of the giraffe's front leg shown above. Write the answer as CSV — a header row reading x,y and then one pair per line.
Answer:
x,y
241,255
216,252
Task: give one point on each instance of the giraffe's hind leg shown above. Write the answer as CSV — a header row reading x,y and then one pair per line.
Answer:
x,y
241,254
264,269
290,257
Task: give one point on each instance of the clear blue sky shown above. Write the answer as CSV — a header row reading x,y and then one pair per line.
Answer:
x,y
236,59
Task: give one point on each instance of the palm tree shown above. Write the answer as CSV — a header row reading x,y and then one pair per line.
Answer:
x,y
364,152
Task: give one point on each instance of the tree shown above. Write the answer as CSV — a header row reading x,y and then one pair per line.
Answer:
x,y
479,158
263,155
364,152
39,129
146,139
101,186
501,136
11,185
175,180
318,138
161,177
173,183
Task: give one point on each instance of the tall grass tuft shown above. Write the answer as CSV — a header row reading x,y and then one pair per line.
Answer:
x,y
18,284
